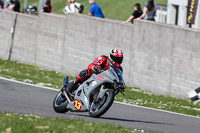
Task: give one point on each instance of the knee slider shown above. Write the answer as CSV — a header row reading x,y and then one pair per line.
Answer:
x,y
83,74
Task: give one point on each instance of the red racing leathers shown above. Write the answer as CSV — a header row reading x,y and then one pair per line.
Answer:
x,y
101,62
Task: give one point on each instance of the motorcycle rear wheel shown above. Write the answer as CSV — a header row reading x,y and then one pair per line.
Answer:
x,y
108,99
60,103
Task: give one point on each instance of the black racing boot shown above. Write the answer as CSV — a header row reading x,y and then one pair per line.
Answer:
x,y
70,87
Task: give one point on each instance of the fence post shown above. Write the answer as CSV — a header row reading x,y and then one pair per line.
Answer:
x,y
25,4
41,4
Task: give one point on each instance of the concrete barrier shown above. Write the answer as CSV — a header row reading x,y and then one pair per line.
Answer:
x,y
50,41
25,39
162,59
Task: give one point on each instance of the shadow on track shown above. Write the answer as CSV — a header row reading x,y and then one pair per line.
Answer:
x,y
127,120
123,120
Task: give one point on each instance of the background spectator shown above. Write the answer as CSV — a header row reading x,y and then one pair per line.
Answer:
x,y
95,10
47,7
73,7
136,14
15,6
30,10
150,11
7,3
1,4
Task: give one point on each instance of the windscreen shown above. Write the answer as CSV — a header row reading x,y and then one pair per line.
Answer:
x,y
118,72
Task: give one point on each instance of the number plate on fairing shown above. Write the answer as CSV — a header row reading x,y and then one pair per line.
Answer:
x,y
77,104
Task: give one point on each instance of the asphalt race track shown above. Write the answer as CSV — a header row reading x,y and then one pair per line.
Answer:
x,y
22,98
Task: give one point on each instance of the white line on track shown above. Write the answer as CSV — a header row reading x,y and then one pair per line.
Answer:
x,y
127,104
20,82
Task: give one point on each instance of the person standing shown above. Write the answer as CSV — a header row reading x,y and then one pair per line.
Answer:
x,y
15,6
149,10
95,10
73,7
136,14
1,4
7,3
47,7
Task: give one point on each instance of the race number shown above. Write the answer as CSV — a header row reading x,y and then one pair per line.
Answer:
x,y
77,104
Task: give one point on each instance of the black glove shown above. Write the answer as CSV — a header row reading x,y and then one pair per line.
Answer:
x,y
97,69
123,86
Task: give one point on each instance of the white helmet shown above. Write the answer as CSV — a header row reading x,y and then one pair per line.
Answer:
x,y
116,56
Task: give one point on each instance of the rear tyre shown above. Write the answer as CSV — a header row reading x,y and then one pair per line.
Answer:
x,y
60,103
98,108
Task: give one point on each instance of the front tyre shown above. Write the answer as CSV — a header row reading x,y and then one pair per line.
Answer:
x,y
98,108
60,103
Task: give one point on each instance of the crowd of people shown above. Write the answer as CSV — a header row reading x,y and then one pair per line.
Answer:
x,y
95,10
14,5
74,7
10,5
149,11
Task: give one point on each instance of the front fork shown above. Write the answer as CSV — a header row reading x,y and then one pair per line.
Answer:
x,y
101,93
66,96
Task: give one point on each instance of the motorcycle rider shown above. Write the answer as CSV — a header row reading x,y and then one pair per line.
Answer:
x,y
101,62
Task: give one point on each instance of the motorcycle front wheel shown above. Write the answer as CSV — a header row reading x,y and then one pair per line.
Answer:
x,y
98,108
60,103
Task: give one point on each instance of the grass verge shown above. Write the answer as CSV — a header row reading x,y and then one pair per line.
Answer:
x,y
35,75
34,124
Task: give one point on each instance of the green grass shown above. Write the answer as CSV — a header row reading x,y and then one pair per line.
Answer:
x,y
142,98
35,75
113,9
34,124
30,74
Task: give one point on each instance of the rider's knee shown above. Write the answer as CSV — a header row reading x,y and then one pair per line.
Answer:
x,y
84,73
